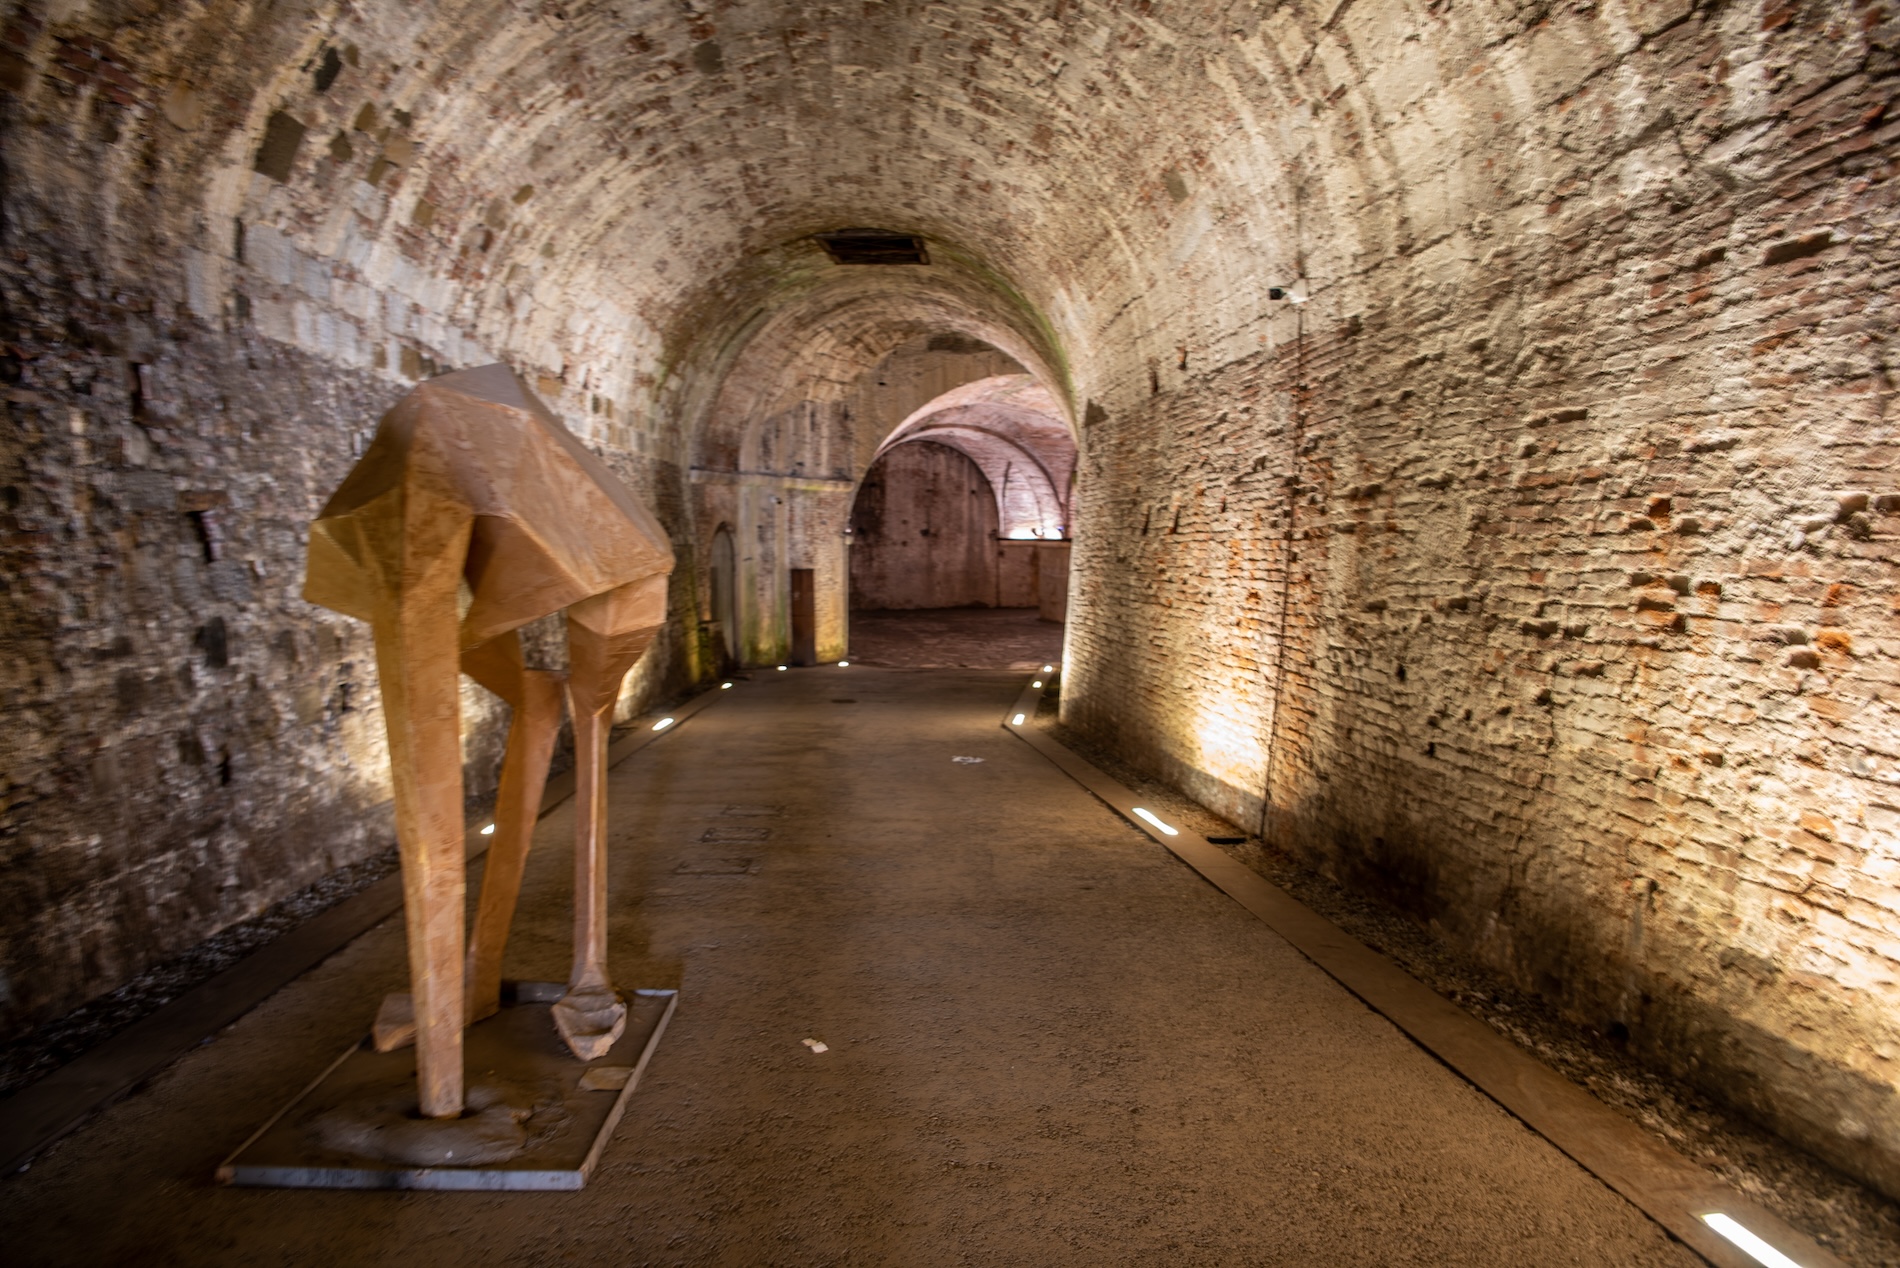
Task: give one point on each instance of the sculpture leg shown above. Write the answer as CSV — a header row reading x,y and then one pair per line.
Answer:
x,y
591,1015
536,698
605,637
416,633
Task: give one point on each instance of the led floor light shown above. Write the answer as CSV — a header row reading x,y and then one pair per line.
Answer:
x,y
725,686
1755,1247
1048,669
781,669
489,831
1157,823
1035,684
1017,720
662,724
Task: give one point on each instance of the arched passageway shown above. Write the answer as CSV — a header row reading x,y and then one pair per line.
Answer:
x,y
1481,485
966,504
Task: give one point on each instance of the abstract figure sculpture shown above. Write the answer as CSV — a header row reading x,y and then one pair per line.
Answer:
x,y
472,480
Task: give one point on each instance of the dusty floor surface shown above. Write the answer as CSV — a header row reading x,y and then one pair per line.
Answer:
x,y
955,638
1050,1043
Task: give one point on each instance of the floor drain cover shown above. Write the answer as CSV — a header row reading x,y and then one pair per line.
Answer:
x,y
714,867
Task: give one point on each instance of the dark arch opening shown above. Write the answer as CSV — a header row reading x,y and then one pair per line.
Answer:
x,y
724,584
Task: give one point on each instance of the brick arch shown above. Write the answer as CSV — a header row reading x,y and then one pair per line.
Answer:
x,y
1013,429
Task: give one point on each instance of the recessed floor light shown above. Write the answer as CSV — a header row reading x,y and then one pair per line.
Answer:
x,y
489,831
1149,816
1017,720
662,724
1757,1249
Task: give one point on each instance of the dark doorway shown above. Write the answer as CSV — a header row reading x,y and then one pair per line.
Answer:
x,y
725,605
804,617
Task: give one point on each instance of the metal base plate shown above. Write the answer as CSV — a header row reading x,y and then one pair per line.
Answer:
x,y
517,1046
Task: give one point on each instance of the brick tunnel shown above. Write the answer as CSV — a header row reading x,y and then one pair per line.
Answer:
x,y
1442,452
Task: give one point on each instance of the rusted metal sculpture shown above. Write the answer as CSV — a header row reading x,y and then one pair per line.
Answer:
x,y
471,481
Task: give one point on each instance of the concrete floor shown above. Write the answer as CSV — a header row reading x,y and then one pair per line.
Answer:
x,y
1050,1043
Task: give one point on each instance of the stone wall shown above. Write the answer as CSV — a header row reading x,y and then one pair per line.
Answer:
x,y
187,740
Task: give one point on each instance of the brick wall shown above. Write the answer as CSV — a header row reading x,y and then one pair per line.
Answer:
x,y
1541,577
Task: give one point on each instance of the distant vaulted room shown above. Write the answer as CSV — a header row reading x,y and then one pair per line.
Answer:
x,y
932,632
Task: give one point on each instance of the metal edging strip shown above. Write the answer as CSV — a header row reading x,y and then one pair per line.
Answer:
x,y
1664,1185
45,1110
633,1082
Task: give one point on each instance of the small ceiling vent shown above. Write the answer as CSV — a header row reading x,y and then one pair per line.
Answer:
x,y
873,246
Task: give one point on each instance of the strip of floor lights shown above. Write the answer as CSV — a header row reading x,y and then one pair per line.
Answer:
x,y
1657,1180
42,1112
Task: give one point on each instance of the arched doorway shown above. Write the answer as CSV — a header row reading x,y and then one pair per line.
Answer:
x,y
725,604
